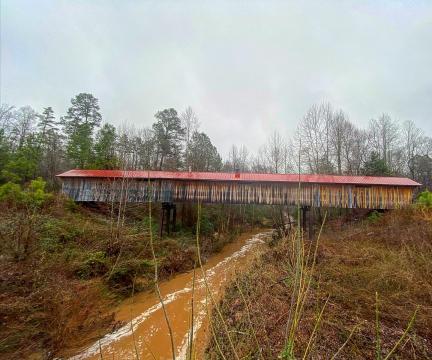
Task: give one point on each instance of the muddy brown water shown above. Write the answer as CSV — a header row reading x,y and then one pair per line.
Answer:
x,y
145,332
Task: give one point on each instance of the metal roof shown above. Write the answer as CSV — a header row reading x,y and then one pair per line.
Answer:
x,y
243,177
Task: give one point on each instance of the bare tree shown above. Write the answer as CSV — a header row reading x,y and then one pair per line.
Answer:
x,y
7,115
412,138
339,131
237,159
24,122
146,149
258,162
314,131
276,154
191,125
384,136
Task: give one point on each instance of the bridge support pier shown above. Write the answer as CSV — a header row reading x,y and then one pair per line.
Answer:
x,y
166,218
306,222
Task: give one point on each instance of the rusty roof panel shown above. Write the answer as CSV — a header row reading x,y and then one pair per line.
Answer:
x,y
244,177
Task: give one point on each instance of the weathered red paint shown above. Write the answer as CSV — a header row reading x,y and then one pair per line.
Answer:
x,y
243,177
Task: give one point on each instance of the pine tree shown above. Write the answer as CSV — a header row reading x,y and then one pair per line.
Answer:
x,y
168,133
203,155
47,121
376,166
79,124
105,146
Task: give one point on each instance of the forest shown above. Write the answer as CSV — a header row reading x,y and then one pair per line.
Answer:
x,y
42,144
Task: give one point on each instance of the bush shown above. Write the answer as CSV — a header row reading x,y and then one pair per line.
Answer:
x,y
206,226
94,265
374,216
55,233
425,199
124,274
11,193
145,226
70,205
35,194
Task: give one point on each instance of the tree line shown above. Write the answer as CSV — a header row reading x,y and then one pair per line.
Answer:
x,y
42,144
327,142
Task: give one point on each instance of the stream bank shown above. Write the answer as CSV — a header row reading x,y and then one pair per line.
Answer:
x,y
144,330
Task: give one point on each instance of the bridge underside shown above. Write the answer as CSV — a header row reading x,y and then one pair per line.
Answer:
x,y
171,191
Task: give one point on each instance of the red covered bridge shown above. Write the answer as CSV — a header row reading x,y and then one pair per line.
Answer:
x,y
368,192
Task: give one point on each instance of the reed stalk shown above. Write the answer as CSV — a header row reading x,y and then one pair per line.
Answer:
x,y
156,278
408,328
213,330
191,332
315,329
377,330
346,342
207,286
131,322
249,320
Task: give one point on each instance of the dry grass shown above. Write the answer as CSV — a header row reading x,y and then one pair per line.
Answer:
x,y
391,256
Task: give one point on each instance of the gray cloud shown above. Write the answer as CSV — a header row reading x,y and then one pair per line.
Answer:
x,y
246,68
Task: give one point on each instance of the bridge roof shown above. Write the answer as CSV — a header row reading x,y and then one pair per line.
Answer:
x,y
242,177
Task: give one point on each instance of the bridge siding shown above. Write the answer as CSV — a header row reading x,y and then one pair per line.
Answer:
x,y
315,195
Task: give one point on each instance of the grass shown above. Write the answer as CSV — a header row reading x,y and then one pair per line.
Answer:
x,y
342,317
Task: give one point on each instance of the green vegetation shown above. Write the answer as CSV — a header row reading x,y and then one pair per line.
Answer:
x,y
374,216
376,166
33,196
424,199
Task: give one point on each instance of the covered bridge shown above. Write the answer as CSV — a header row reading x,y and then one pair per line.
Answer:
x,y
368,192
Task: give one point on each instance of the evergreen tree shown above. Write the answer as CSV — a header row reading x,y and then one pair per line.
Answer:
x,y
51,142
105,147
79,123
376,166
47,121
23,165
4,150
168,133
202,154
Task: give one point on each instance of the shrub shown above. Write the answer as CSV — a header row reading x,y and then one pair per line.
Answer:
x,y
94,265
70,205
55,233
425,199
206,226
11,193
124,274
145,226
35,194
374,216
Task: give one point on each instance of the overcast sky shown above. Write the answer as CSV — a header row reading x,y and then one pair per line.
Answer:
x,y
246,68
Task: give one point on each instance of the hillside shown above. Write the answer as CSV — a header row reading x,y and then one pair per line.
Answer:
x,y
386,255
63,266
